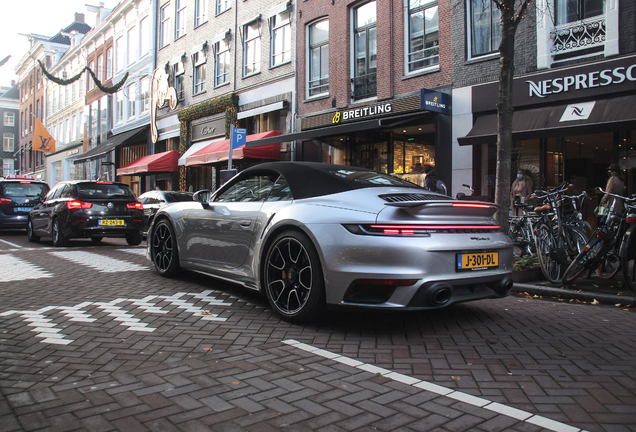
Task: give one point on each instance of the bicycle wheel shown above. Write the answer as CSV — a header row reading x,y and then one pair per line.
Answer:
x,y
628,261
546,244
609,264
582,260
576,240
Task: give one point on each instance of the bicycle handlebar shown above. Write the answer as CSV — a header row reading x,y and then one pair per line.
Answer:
x,y
617,196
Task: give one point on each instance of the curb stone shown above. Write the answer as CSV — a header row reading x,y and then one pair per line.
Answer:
x,y
610,299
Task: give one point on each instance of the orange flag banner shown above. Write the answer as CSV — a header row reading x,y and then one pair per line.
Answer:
x,y
42,140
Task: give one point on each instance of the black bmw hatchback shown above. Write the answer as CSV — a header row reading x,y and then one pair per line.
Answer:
x,y
87,209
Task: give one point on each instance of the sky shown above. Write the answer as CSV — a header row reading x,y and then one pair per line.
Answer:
x,y
43,17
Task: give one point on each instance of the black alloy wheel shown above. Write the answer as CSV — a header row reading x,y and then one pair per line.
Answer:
x,y
31,233
58,238
292,278
163,249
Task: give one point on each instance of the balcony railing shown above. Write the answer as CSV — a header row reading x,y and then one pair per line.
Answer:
x,y
364,86
578,36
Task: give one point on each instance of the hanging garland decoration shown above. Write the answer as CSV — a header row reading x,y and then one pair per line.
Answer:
x,y
74,78
228,103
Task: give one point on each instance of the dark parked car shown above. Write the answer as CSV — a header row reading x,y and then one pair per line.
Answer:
x,y
154,200
18,195
87,209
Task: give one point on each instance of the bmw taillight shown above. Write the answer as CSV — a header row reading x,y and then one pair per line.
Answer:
x,y
5,201
135,206
74,205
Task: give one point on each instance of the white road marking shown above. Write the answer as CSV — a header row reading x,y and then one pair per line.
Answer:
x,y
443,391
16,269
99,262
11,244
47,329
136,251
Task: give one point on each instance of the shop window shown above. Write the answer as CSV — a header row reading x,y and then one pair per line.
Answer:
x,y
423,35
485,28
364,81
318,55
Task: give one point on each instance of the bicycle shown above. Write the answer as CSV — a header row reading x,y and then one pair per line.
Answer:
x,y
557,241
603,253
628,251
521,230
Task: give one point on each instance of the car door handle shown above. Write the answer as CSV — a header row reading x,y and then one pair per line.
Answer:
x,y
245,223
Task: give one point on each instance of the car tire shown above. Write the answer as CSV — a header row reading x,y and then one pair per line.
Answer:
x,y
163,249
134,239
31,233
96,240
58,238
292,278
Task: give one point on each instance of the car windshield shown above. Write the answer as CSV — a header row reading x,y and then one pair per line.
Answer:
x,y
103,191
372,178
23,189
177,197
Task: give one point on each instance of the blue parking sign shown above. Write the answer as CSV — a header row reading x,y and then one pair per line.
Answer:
x,y
238,137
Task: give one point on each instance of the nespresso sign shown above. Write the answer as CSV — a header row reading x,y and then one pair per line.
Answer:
x,y
594,80
209,129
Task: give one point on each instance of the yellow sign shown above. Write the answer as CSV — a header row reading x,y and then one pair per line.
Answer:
x,y
42,140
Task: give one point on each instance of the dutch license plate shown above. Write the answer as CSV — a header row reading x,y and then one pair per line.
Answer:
x,y
477,261
23,209
111,222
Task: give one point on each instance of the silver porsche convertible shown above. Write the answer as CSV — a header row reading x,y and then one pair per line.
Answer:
x,y
311,236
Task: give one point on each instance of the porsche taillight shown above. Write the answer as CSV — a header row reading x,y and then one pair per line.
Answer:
x,y
417,230
74,205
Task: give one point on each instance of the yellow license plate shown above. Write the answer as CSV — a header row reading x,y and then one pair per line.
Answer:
x,y
477,261
111,222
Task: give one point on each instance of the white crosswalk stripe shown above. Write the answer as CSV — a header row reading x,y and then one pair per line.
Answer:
x,y
136,251
48,330
99,262
17,269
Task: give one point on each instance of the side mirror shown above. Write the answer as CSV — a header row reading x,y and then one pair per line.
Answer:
x,y
203,196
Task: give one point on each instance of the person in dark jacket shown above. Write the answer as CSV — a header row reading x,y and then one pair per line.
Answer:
x,y
430,182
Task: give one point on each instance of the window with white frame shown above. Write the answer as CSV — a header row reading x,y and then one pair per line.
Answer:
x,y
91,83
66,98
132,38
119,54
8,139
144,36
9,119
221,62
567,11
178,72
109,63
200,12
54,131
423,35
81,86
144,83
281,38
60,101
199,61
132,100
164,30
252,47
365,50
7,167
66,131
119,101
179,18
222,6
485,28
100,67
73,134
73,91
318,58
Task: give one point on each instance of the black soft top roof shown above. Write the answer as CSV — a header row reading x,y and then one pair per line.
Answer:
x,y
313,179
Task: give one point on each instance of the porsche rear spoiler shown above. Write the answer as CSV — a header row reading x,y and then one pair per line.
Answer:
x,y
450,208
